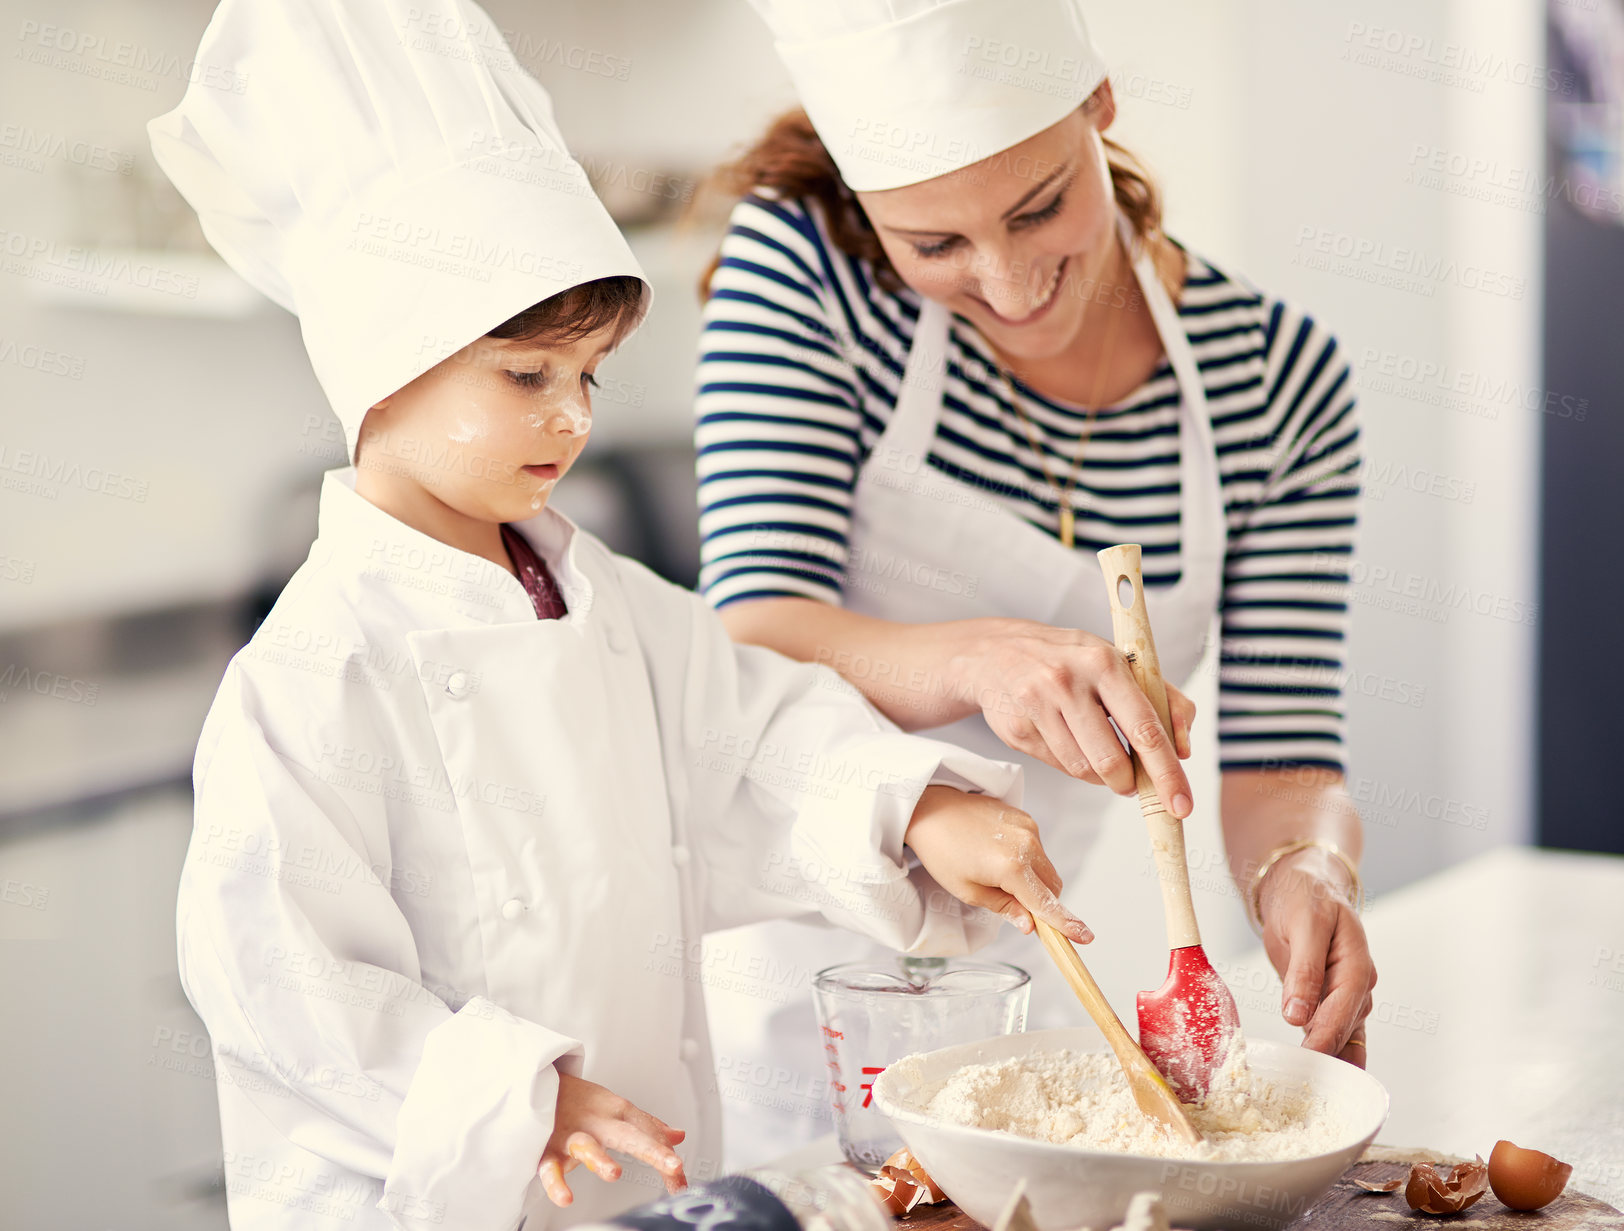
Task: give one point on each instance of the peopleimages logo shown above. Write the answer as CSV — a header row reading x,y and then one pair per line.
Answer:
x,y
1415,378
18,678
32,144
1394,265
890,566
459,35
1489,180
117,60
42,359
34,473
415,242
92,269
904,145
1447,63
1376,477
1433,597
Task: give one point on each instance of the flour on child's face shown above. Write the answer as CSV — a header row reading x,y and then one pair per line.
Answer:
x,y
575,413
1082,1099
490,430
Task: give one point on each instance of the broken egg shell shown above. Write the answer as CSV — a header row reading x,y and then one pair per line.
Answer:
x,y
1526,1179
900,1199
1386,1186
1446,1192
903,1184
905,1160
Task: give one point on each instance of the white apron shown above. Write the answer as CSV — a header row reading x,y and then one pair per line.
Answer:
x,y
925,548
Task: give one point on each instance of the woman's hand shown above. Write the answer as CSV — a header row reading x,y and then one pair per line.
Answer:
x,y
589,1121
1052,693
987,854
1317,943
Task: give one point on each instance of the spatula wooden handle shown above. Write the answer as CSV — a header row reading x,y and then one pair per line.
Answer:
x,y
1130,624
1088,991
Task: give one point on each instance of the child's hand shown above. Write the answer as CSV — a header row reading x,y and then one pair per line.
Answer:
x,y
986,853
592,1120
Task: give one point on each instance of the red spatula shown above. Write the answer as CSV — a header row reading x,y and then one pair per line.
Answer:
x,y
1186,1025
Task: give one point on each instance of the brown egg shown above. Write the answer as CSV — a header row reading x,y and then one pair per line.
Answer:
x,y
1526,1179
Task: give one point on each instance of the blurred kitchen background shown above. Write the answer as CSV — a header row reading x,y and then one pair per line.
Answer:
x,y
1440,183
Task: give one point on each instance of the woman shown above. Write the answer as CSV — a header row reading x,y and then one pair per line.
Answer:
x,y
949,354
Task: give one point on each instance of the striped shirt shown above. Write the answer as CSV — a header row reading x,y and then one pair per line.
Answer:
x,y
802,354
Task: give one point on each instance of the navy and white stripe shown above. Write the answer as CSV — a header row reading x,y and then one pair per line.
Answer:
x,y
801,357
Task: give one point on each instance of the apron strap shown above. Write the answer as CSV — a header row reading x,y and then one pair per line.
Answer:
x,y
907,438
1203,531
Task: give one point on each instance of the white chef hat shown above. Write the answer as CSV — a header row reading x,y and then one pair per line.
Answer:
x,y
389,172
905,90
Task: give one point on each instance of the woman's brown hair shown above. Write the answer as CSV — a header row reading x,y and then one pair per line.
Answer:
x,y
791,162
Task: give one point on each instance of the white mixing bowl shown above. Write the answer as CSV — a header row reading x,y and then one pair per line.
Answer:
x,y
1070,1187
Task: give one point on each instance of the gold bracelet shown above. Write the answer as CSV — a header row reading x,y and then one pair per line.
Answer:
x,y
1254,893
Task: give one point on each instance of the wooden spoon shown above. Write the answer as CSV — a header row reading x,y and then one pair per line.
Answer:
x,y
1149,1088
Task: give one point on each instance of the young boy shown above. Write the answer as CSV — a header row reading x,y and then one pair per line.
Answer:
x,y
469,798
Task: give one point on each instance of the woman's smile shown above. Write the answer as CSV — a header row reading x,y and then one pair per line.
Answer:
x,y
1045,300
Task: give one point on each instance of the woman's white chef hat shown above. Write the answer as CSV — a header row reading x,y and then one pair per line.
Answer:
x,y
387,171
905,90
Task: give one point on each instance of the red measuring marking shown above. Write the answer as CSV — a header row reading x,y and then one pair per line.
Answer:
x,y
868,1086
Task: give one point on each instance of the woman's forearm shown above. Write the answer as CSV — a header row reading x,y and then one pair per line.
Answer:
x,y
1265,809
917,675
1059,695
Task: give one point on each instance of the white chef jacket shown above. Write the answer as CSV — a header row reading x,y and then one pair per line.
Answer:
x,y
444,850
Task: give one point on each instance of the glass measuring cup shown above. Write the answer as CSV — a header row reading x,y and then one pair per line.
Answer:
x,y
870,1015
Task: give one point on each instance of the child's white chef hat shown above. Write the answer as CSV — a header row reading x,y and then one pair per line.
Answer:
x,y
389,172
905,90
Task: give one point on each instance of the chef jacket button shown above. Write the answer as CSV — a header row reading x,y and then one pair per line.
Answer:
x,y
456,685
679,856
689,1050
512,909
617,639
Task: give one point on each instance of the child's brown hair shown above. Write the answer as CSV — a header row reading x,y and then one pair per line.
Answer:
x,y
583,310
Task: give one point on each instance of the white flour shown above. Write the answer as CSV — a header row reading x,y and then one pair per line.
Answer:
x,y
1082,1099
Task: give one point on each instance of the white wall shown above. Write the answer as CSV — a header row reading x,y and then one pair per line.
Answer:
x,y
195,414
